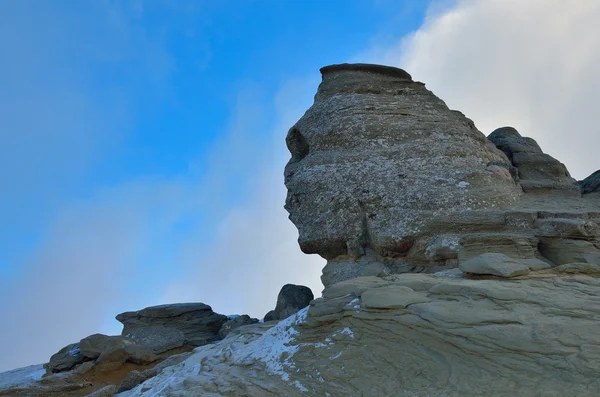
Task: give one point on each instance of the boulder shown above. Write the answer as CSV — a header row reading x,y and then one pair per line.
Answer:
x,y
291,299
198,323
591,184
234,323
66,358
158,338
494,264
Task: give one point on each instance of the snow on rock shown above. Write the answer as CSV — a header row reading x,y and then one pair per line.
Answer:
x,y
21,377
271,351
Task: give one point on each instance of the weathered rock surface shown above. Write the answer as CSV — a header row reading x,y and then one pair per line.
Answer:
x,y
135,377
494,264
158,338
385,179
591,184
66,358
370,158
196,321
236,322
413,335
536,170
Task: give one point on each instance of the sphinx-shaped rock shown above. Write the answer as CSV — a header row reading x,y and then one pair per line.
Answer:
x,y
378,159
385,179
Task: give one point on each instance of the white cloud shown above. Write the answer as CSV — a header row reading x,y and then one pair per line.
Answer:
x,y
530,64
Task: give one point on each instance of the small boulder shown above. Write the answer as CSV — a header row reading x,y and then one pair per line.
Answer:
x,y
290,300
158,338
66,358
494,264
235,323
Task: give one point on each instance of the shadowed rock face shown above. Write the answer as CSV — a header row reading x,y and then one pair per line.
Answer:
x,y
378,157
385,179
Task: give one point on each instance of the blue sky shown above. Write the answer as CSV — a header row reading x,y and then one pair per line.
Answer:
x,y
142,142
132,129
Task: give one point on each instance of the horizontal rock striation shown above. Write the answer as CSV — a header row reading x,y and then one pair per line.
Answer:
x,y
385,179
197,321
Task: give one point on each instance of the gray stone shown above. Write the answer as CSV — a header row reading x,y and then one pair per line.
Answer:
x,y
538,172
158,338
234,323
291,299
196,321
270,316
94,345
494,264
591,184
66,358
564,251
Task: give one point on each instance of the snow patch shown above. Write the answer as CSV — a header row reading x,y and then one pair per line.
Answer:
x,y
21,377
345,331
354,303
462,184
300,387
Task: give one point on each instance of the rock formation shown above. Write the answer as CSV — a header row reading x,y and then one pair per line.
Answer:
x,y
197,321
385,179
458,265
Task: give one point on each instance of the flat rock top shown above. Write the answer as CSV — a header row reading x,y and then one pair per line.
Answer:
x,y
368,68
168,310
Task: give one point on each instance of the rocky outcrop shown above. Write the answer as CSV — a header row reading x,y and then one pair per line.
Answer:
x,y
66,358
234,323
198,323
591,184
536,170
385,179
413,335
